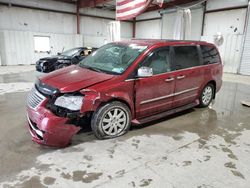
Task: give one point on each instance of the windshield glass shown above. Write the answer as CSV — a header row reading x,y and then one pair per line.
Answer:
x,y
70,52
112,58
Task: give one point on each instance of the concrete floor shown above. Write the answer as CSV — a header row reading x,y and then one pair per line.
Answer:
x,y
200,148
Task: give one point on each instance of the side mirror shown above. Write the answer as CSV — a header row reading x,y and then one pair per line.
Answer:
x,y
145,72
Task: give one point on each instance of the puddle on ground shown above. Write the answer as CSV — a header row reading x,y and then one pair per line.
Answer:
x,y
85,177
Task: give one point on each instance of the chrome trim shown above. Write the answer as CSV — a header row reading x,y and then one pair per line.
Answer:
x,y
40,133
174,71
35,98
133,79
169,80
185,91
180,77
167,96
156,99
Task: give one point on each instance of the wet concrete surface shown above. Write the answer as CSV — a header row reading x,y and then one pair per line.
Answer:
x,y
19,77
197,148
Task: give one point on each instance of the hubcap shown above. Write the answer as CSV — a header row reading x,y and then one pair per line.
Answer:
x,y
207,95
114,121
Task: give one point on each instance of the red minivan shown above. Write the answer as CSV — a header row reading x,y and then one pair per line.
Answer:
x,y
120,84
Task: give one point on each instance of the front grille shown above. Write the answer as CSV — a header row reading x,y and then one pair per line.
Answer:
x,y
35,98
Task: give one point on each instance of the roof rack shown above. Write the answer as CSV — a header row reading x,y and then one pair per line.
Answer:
x,y
169,40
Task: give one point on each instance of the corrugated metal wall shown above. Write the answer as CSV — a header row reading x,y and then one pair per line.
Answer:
x,y
148,29
18,46
230,24
245,62
19,25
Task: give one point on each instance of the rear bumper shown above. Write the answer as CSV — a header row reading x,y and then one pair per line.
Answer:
x,y
48,129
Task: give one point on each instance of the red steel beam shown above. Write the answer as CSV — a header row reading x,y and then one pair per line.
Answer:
x,y
134,27
78,18
170,4
91,3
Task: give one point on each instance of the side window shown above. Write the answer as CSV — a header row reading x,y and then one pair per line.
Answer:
x,y
210,55
186,57
81,53
159,61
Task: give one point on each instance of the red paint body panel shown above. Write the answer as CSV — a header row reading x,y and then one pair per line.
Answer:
x,y
99,88
57,132
150,88
74,78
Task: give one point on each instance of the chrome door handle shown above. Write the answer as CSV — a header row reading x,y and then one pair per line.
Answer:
x,y
169,80
180,77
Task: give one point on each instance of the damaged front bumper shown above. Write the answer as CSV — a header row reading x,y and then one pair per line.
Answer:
x,y
49,129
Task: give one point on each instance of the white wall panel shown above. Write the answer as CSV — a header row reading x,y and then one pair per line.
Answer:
x,y
148,29
126,30
94,26
95,31
149,15
98,12
226,22
2,49
19,46
46,4
96,41
196,26
231,25
245,63
24,19
18,25
219,4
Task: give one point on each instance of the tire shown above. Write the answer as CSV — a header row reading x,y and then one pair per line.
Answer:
x,y
207,95
60,66
105,124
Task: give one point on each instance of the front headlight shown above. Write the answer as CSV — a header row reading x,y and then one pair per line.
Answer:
x,y
70,102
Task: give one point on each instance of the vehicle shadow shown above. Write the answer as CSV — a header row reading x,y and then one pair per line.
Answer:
x,y
195,120
202,122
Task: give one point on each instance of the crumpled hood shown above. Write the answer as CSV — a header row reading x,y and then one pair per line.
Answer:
x,y
73,78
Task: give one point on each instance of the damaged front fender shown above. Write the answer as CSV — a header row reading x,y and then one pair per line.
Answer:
x,y
92,99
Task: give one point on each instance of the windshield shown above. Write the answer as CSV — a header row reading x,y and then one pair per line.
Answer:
x,y
112,58
70,52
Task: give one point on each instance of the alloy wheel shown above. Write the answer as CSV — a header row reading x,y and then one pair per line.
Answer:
x,y
207,95
114,121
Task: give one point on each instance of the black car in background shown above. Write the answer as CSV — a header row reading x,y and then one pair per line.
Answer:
x,y
67,58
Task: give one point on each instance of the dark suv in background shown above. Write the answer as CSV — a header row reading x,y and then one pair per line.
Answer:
x,y
69,57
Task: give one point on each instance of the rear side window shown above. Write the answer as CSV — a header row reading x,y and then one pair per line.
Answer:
x,y
186,57
210,55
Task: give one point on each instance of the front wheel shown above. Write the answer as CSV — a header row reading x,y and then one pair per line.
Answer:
x,y
60,66
207,95
111,120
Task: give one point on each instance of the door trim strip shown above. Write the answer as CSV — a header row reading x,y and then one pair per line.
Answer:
x,y
167,96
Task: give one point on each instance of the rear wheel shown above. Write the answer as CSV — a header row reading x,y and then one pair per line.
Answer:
x,y
207,95
111,120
